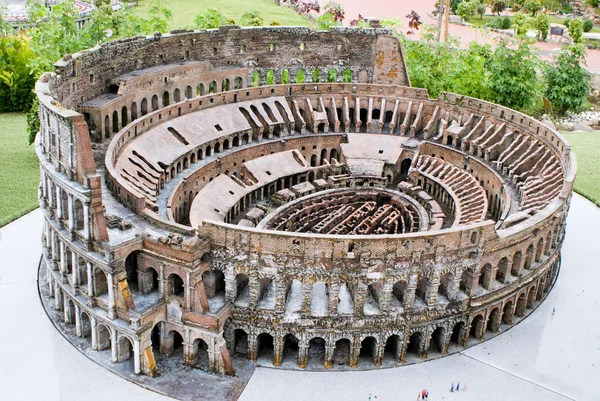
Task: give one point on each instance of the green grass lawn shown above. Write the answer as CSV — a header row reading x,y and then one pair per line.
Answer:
x,y
19,169
587,147
184,11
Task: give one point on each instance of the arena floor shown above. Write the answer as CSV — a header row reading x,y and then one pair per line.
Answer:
x,y
545,357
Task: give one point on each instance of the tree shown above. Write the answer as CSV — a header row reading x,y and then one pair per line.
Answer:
x,y
480,9
533,6
16,78
333,16
498,6
519,20
542,24
466,9
209,19
514,81
567,82
576,30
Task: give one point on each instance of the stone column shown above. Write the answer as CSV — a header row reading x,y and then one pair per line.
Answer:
x,y
359,299
280,290
74,270
112,313
354,352
230,287
252,347
453,287
334,299
409,295
86,221
63,262
162,288
58,204
302,354
489,276
188,291
78,330
113,345
253,287
278,350
70,210
306,298
94,332
385,296
136,357
379,353
329,348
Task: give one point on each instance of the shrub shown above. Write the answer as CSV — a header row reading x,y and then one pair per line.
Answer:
x,y
209,19
567,82
542,24
533,6
466,9
16,77
576,30
251,18
498,6
588,25
499,23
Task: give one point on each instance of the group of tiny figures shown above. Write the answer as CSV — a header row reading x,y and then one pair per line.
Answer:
x,y
457,388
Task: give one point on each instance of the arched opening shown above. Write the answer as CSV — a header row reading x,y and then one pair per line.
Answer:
x,y
225,85
134,111
255,78
516,265
319,300
245,139
200,90
539,250
70,315
78,215
444,288
341,352
107,127
238,83
507,314
313,161
144,107
113,88
316,75
503,273
124,120
226,144
115,121
436,344
124,349
208,151
392,348
323,156
264,347
214,286
347,75
131,269
200,349
217,147
333,155
212,87
363,77
165,99
240,342
189,92
236,141
398,292
368,350
102,337
528,258
82,278
493,320
530,297
414,344
243,292
176,287
86,325
405,166
331,75
477,327
300,76
154,102
316,351
155,339
345,302
485,279
100,283
371,306
176,95
176,350
285,76
291,349
457,333
421,291
270,77
521,304
363,115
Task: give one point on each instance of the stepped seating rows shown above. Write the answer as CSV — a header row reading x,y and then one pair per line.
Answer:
x,y
470,201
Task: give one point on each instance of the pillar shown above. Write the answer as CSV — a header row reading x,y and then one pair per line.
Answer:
x,y
354,352
58,204
431,292
112,313
230,287
136,357
94,332
70,210
90,284
334,292
162,288
278,349
113,345
74,270
302,354
409,296
306,297
329,348
188,291
86,221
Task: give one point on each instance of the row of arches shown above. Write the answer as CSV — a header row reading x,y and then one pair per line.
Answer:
x,y
271,77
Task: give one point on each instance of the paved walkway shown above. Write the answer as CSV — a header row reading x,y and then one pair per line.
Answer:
x,y
543,358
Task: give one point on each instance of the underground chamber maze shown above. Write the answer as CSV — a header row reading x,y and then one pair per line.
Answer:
x,y
194,213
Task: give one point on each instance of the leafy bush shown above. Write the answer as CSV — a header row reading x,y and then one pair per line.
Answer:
x,y
567,81
533,6
576,30
588,24
209,19
498,6
592,3
16,78
251,18
466,9
499,23
542,24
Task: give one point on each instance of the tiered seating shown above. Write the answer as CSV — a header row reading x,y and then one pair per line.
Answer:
x,y
470,202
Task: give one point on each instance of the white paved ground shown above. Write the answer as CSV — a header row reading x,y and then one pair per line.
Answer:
x,y
544,358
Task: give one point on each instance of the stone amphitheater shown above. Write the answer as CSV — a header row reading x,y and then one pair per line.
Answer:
x,y
285,195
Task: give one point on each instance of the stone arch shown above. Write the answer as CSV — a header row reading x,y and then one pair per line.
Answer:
x,y
131,269
477,327
368,349
421,291
144,106
242,290
413,346
100,282
493,321
189,92
516,264
86,325
521,305
392,348
103,337
154,102
175,285
107,127
134,111
212,87
236,141
444,287
226,144
176,95
372,301
166,99
503,270
399,291
115,121
291,348
342,352
529,257
175,344
539,250
457,332
214,284
265,346
405,166
240,342
199,354
485,276
200,90
316,350
225,85
238,83
531,293
313,161
78,214
208,151
70,313
507,314
300,76
217,147
124,349
333,154
82,278
438,339
124,120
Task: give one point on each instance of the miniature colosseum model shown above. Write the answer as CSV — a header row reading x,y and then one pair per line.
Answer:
x,y
283,193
